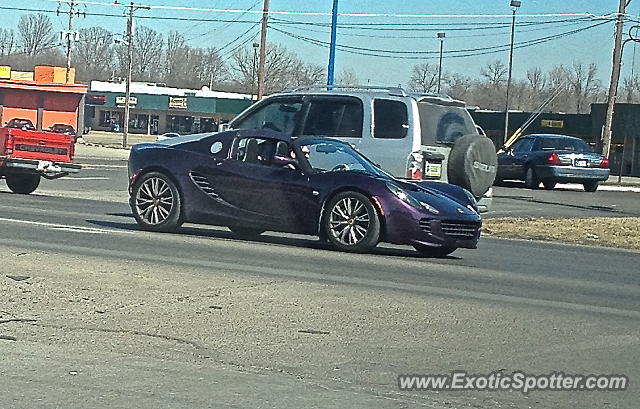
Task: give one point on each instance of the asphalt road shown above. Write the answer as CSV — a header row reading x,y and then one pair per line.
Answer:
x,y
127,318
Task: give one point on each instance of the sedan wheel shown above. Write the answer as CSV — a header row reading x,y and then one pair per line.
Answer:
x,y
591,186
156,203
549,184
351,222
531,180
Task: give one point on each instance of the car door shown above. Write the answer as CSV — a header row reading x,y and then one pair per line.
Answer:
x,y
521,157
509,161
278,198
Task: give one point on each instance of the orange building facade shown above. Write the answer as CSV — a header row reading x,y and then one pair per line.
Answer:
x,y
45,98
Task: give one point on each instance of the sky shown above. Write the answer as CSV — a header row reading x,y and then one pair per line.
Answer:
x,y
396,40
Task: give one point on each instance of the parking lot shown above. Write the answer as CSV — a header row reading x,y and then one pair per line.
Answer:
x,y
284,315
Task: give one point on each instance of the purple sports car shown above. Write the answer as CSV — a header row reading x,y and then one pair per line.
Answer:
x,y
257,180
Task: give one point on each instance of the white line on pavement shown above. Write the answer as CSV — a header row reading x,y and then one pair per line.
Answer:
x,y
601,188
84,178
66,227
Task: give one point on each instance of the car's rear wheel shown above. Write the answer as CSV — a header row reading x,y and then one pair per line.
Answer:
x,y
351,222
156,203
531,180
23,184
246,232
434,251
591,186
549,184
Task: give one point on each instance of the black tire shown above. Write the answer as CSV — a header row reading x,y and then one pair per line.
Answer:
x,y
438,252
361,225
246,232
156,209
591,186
549,184
531,180
23,184
473,164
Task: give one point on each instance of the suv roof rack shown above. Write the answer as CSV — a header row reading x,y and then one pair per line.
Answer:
x,y
396,91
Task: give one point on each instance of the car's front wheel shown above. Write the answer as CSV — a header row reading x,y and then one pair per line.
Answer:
x,y
351,222
591,186
438,252
23,184
156,203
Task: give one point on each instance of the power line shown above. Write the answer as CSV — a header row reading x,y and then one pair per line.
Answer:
x,y
452,53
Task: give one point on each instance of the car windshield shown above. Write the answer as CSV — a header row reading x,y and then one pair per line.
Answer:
x,y
565,144
332,156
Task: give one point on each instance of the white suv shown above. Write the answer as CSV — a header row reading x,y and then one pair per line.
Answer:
x,y
412,136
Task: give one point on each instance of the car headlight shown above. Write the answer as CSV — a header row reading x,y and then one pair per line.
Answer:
x,y
410,200
472,199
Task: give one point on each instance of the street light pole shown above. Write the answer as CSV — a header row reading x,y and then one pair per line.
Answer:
x,y
441,38
515,4
254,68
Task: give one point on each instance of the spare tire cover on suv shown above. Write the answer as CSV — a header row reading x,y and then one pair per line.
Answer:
x,y
473,164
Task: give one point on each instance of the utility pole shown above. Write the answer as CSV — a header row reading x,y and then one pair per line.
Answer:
x,y
332,45
69,35
615,78
263,51
441,37
127,93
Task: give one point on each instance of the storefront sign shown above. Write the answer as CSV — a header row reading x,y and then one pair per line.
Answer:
x,y
177,103
120,101
549,123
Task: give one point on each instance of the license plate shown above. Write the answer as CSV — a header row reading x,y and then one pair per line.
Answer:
x,y
433,170
581,163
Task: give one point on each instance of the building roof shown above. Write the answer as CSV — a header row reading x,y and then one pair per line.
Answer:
x,y
39,86
156,89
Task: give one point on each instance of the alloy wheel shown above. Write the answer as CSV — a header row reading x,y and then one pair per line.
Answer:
x,y
154,201
349,221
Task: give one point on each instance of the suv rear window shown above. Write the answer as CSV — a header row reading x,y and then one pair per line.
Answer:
x,y
443,123
390,119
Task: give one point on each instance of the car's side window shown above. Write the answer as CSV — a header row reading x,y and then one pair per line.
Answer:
x,y
260,151
390,119
280,115
523,145
329,117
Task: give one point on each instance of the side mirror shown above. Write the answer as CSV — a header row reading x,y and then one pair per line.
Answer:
x,y
281,160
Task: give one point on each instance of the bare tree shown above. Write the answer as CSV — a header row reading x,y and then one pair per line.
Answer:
x,y
347,77
94,54
147,54
280,66
584,84
494,73
630,91
459,86
7,41
36,34
424,78
206,67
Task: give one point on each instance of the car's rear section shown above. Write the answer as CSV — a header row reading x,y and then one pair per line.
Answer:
x,y
27,155
567,167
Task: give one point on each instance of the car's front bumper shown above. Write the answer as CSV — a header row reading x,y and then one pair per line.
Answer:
x,y
572,173
47,169
413,227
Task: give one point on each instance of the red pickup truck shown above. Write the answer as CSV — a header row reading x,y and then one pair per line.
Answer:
x,y
26,155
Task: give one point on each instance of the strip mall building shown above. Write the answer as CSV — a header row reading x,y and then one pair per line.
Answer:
x,y
43,96
156,109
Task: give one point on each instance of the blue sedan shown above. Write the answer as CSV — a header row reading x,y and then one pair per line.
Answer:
x,y
552,159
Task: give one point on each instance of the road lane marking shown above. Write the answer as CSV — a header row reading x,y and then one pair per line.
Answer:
x,y
66,227
84,178
87,166
298,274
